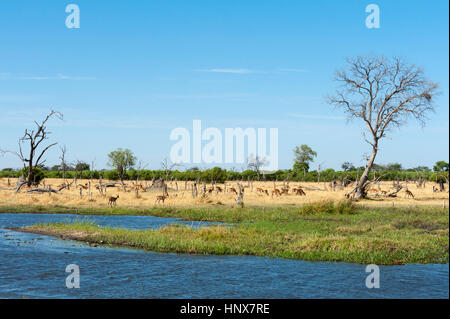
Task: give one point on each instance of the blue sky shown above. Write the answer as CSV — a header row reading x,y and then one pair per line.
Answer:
x,y
135,70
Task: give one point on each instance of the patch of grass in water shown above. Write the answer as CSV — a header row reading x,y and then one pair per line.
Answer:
x,y
321,231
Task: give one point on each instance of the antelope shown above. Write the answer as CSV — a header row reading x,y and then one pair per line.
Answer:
x,y
209,190
85,186
232,189
139,187
409,194
351,194
262,191
384,192
113,200
160,198
276,191
285,190
218,189
299,191
373,190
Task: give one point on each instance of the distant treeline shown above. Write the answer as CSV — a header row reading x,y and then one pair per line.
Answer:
x,y
220,175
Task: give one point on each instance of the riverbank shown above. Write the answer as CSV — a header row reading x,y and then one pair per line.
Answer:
x,y
323,231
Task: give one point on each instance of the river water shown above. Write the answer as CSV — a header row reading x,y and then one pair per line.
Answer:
x,y
33,266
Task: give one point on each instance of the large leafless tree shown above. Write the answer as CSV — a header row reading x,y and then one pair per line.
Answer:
x,y
384,94
31,148
255,163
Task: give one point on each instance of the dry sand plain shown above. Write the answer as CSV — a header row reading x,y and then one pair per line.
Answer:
x,y
183,198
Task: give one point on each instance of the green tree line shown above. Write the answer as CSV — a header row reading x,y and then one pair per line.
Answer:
x,y
220,175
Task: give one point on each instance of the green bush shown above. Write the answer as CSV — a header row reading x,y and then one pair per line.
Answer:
x,y
37,175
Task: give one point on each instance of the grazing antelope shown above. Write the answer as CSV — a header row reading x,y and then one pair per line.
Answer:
x,y
285,190
299,191
209,190
113,200
409,194
373,190
218,189
276,191
262,191
351,195
233,190
85,186
384,192
160,198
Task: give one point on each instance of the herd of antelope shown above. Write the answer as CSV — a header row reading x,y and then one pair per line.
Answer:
x,y
160,199
236,190
379,192
275,192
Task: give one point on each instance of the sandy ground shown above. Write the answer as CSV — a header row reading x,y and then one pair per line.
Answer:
x,y
183,198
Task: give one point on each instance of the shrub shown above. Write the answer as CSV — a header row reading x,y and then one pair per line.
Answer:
x,y
37,175
345,207
329,207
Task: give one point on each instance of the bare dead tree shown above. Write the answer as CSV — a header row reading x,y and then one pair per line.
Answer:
x,y
33,139
255,163
63,165
139,168
384,94
167,168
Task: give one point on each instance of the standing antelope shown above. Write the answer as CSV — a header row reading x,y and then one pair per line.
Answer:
x,y
139,187
233,190
276,191
160,198
113,200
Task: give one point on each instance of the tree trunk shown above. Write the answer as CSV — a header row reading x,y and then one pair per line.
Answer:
x,y
30,172
360,186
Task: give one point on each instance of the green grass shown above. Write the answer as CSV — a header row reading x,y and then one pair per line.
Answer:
x,y
214,214
323,231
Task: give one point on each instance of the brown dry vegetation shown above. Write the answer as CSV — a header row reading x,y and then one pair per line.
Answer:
x,y
183,198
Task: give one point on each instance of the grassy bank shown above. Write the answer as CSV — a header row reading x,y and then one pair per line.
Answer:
x,y
324,231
